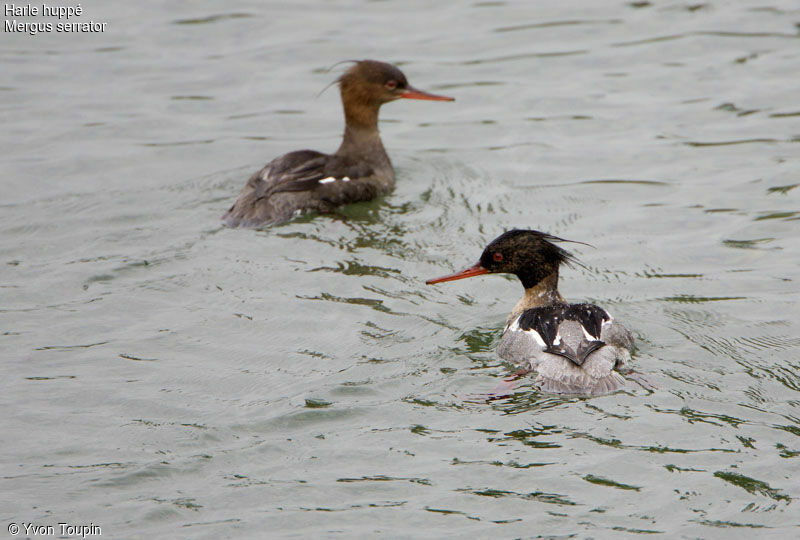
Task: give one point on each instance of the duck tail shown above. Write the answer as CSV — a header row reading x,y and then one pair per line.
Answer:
x,y
600,386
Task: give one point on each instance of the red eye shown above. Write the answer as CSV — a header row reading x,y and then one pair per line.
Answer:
x,y
391,85
497,257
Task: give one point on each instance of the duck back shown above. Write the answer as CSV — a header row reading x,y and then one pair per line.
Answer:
x,y
575,349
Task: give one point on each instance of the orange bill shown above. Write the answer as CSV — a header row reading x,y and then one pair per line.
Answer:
x,y
475,270
413,93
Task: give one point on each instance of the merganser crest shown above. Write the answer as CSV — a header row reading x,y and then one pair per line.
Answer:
x,y
545,322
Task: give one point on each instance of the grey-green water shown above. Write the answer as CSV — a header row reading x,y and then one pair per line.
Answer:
x,y
165,377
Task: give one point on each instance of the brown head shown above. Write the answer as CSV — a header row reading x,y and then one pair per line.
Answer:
x,y
368,84
375,83
530,255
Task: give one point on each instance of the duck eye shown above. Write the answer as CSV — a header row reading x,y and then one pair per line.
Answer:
x,y
391,85
497,257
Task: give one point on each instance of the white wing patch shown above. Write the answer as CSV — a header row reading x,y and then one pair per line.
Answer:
x,y
537,338
330,179
587,335
513,326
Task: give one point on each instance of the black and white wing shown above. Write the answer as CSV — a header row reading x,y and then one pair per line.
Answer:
x,y
545,325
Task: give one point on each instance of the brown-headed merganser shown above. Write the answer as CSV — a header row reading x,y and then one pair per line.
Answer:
x,y
360,170
574,348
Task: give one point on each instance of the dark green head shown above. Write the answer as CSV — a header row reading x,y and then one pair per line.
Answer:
x,y
528,254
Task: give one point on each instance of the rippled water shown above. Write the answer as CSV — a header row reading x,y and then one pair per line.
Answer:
x,y
166,377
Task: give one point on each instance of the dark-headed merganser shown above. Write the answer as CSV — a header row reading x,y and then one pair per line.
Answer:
x,y
574,348
310,181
